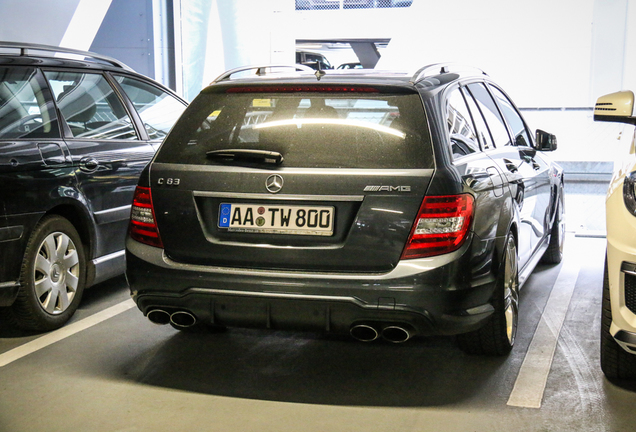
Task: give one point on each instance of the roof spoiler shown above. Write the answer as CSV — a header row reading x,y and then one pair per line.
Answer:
x,y
442,68
262,70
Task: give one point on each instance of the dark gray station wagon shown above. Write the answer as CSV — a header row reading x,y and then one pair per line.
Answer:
x,y
382,205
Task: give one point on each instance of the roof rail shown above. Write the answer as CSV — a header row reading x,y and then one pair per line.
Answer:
x,y
262,70
25,47
442,68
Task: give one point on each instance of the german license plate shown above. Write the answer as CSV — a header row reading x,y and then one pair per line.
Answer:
x,y
277,219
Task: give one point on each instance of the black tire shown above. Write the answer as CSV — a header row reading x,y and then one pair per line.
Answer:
x,y
52,277
616,363
497,336
554,252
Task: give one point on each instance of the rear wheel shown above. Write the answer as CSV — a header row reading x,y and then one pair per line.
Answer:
x,y
52,277
616,363
497,336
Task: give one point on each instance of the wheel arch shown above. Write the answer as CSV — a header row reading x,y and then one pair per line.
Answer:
x,y
83,222
556,194
500,246
509,219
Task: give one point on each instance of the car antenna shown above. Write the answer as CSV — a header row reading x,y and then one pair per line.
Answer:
x,y
319,72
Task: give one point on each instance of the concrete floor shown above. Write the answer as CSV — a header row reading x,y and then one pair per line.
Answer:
x,y
125,374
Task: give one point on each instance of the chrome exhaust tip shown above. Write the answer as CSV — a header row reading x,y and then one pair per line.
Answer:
x,y
183,319
364,333
158,316
396,334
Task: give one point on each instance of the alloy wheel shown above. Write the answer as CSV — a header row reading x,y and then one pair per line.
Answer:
x,y
511,291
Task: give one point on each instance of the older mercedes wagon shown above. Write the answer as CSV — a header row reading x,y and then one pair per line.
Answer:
x,y
76,130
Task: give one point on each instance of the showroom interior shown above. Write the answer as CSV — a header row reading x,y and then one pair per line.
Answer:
x,y
110,369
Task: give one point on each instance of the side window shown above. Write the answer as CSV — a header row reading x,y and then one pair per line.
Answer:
x,y
480,124
90,106
489,110
460,126
158,110
25,112
512,117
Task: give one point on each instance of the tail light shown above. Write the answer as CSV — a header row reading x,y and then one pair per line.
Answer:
x,y
143,227
441,226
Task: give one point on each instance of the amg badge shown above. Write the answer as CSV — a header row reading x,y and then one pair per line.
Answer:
x,y
387,188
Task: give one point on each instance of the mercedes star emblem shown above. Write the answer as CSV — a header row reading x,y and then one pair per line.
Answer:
x,y
274,183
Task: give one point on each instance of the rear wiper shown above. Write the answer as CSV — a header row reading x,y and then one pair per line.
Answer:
x,y
260,156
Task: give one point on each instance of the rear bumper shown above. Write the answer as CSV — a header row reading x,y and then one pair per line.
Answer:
x,y
12,243
431,296
8,293
14,235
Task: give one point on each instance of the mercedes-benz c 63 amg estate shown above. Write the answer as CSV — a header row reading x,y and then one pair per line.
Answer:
x,y
381,205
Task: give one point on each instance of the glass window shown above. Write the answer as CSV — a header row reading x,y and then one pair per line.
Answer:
x,y
483,133
460,126
90,106
24,110
491,114
512,117
322,130
158,110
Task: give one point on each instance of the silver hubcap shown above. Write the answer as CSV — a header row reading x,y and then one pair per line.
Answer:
x,y
511,291
56,273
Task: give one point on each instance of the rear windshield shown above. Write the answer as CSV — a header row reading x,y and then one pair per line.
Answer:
x,y
309,130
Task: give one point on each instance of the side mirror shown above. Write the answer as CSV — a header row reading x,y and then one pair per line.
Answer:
x,y
615,107
545,141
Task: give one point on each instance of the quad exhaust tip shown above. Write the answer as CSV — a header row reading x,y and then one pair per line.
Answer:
x,y
364,333
396,334
181,319
159,317
392,333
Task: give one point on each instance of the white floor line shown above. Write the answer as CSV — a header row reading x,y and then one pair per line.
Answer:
x,y
533,375
64,332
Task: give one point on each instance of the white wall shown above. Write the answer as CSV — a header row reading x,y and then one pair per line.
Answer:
x,y
122,29
555,54
546,53
224,34
629,75
538,50
35,21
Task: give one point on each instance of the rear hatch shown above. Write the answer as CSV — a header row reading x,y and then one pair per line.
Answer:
x,y
320,177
